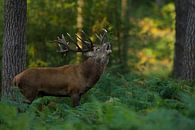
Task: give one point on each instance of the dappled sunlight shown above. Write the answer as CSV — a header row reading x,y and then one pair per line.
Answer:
x,y
149,63
154,38
150,27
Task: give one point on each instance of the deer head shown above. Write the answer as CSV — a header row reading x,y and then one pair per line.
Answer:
x,y
99,53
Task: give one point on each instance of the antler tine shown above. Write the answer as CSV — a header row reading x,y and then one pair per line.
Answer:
x,y
84,42
84,49
80,38
62,49
101,37
79,49
88,42
63,45
105,32
63,41
97,36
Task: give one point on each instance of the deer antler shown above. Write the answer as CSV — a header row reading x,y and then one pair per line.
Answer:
x,y
64,45
88,43
101,37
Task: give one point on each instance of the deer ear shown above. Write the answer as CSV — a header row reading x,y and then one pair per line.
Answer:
x,y
89,54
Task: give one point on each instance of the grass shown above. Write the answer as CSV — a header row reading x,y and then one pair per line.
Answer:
x,y
129,101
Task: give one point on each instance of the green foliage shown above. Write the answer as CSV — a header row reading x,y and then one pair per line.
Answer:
x,y
144,100
129,101
10,119
152,38
168,119
47,20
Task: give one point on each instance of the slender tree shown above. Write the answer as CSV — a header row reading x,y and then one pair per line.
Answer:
x,y
124,33
80,5
184,60
14,40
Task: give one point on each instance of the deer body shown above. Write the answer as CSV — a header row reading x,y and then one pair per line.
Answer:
x,y
67,80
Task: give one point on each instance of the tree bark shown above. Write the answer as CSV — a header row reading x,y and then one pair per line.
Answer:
x,y
189,44
80,5
184,59
124,33
14,40
181,13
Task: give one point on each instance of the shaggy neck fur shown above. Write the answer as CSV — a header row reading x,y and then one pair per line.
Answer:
x,y
95,67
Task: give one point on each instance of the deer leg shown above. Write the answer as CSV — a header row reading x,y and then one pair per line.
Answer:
x,y
30,94
75,100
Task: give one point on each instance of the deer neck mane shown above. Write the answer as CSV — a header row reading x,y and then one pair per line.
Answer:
x,y
92,69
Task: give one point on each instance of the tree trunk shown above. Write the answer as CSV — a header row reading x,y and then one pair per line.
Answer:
x,y
184,60
14,55
124,33
80,5
181,18
189,44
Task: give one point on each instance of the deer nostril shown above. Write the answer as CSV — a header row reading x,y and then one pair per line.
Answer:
x,y
108,47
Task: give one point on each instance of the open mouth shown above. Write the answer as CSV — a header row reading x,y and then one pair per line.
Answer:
x,y
108,48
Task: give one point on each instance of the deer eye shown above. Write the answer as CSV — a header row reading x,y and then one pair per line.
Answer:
x,y
108,47
97,49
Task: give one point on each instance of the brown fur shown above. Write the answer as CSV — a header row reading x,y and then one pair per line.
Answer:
x,y
68,80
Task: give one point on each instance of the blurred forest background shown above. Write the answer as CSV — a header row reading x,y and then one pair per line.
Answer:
x,y
148,29
136,92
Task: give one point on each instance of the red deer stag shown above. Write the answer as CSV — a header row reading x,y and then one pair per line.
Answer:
x,y
68,80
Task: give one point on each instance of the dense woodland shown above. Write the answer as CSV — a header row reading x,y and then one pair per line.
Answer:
x,y
148,83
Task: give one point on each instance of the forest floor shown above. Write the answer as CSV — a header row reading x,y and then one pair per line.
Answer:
x,y
130,101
